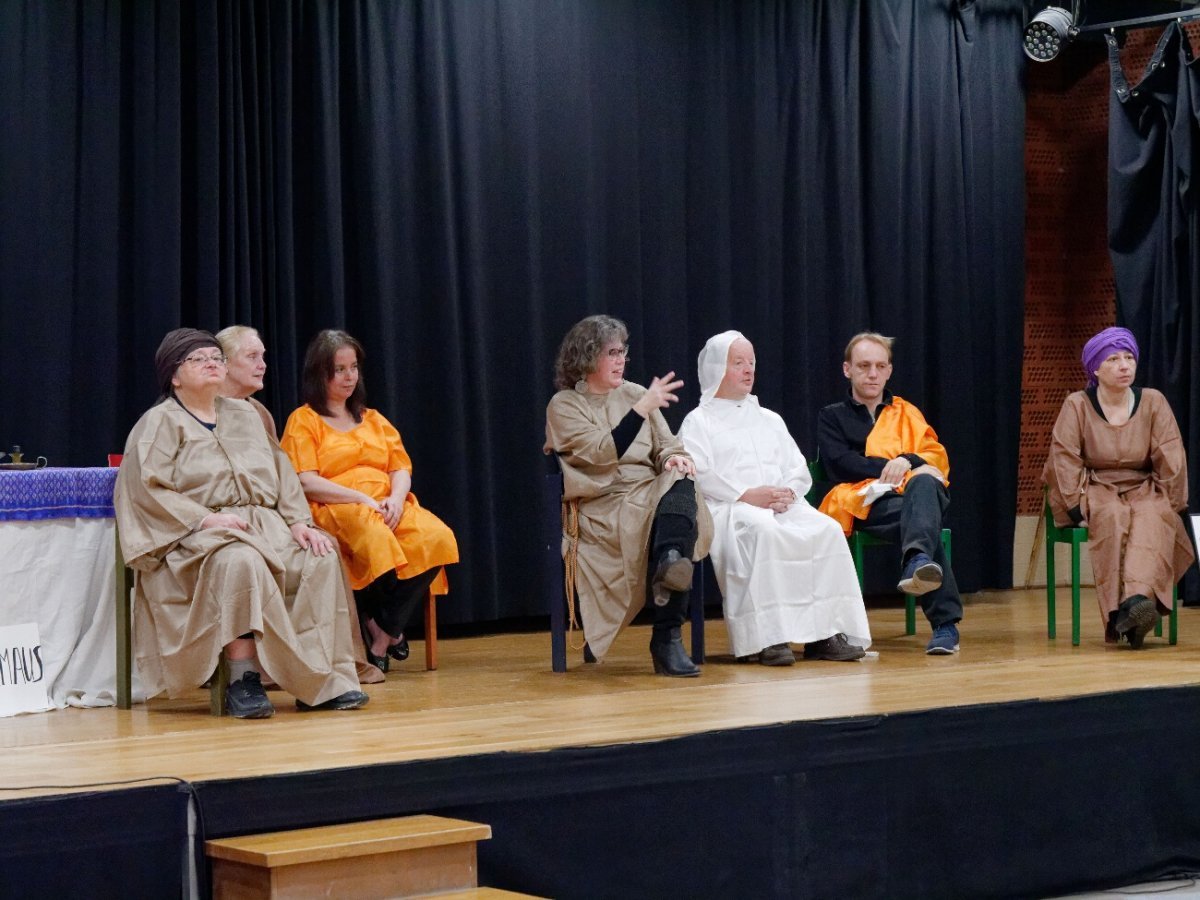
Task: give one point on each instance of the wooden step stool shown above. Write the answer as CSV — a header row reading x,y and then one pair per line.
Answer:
x,y
406,857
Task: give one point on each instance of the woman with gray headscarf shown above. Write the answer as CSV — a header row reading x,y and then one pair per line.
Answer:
x,y
212,517
1117,465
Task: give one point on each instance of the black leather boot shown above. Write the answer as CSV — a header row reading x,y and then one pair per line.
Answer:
x,y
666,649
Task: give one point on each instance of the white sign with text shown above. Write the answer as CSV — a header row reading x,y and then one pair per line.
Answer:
x,y
22,681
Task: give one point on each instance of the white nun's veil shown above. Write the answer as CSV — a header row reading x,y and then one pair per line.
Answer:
x,y
714,359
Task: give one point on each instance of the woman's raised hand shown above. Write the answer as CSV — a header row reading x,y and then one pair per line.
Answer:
x,y
659,395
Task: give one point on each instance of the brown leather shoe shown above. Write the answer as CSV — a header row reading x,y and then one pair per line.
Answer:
x,y
834,649
777,655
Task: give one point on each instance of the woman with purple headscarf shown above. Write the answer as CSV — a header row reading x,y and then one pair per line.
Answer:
x,y
1117,465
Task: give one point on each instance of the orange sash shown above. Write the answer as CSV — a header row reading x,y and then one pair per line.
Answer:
x,y
899,429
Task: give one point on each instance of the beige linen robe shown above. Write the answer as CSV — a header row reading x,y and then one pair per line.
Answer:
x,y
196,589
1130,482
617,499
367,673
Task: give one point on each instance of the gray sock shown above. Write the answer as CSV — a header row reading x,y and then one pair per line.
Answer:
x,y
239,667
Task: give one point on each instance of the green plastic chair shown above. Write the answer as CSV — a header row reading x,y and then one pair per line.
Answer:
x,y
860,540
1076,536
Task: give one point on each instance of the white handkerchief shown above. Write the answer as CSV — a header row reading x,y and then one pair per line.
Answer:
x,y
875,490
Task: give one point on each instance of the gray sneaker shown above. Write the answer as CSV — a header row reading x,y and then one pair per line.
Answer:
x,y
246,699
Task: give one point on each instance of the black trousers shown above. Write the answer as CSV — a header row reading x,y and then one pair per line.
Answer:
x,y
391,601
913,520
674,529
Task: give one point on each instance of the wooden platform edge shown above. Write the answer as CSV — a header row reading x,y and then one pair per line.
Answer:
x,y
484,893
351,839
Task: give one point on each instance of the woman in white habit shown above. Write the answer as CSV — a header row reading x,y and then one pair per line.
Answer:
x,y
784,568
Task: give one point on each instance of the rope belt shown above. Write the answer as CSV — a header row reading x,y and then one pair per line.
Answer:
x,y
570,527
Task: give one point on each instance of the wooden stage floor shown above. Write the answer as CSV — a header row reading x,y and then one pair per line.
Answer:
x,y
497,693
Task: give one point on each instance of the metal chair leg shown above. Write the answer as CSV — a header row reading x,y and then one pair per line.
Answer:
x,y
1075,544
696,608
1051,623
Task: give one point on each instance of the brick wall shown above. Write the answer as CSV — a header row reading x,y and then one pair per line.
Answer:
x,y
1069,290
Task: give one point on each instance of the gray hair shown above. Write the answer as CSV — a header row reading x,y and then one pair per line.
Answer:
x,y
580,349
233,337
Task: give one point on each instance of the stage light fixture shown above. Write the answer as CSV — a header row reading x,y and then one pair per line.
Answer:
x,y
1047,33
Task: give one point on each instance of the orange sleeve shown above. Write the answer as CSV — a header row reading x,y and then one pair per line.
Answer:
x,y
300,440
397,456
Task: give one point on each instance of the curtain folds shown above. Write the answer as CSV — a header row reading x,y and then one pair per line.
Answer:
x,y
457,181
1154,230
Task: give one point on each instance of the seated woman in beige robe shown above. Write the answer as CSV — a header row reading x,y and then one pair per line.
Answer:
x,y
245,367
639,516
212,517
1117,465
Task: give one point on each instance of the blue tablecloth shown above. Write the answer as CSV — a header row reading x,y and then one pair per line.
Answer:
x,y
48,493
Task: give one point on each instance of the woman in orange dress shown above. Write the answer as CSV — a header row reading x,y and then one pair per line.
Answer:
x,y
357,478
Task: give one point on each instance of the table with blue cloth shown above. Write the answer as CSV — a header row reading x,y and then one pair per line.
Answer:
x,y
57,558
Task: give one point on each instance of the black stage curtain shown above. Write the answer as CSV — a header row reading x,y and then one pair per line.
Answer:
x,y
107,844
1154,230
457,182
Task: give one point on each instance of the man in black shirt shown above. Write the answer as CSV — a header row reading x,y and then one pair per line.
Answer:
x,y
873,440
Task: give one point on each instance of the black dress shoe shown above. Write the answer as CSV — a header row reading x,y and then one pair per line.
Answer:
x,y
1140,617
379,662
399,652
671,659
348,700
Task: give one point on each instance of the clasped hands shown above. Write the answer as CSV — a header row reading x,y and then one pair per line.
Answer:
x,y
306,536
391,509
767,496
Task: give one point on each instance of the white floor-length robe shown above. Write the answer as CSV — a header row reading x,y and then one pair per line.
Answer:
x,y
784,578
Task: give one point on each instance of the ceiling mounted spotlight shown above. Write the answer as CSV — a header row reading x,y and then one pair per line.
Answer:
x,y
1048,32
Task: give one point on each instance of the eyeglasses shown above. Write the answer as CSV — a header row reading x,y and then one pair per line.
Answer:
x,y
203,359
618,352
